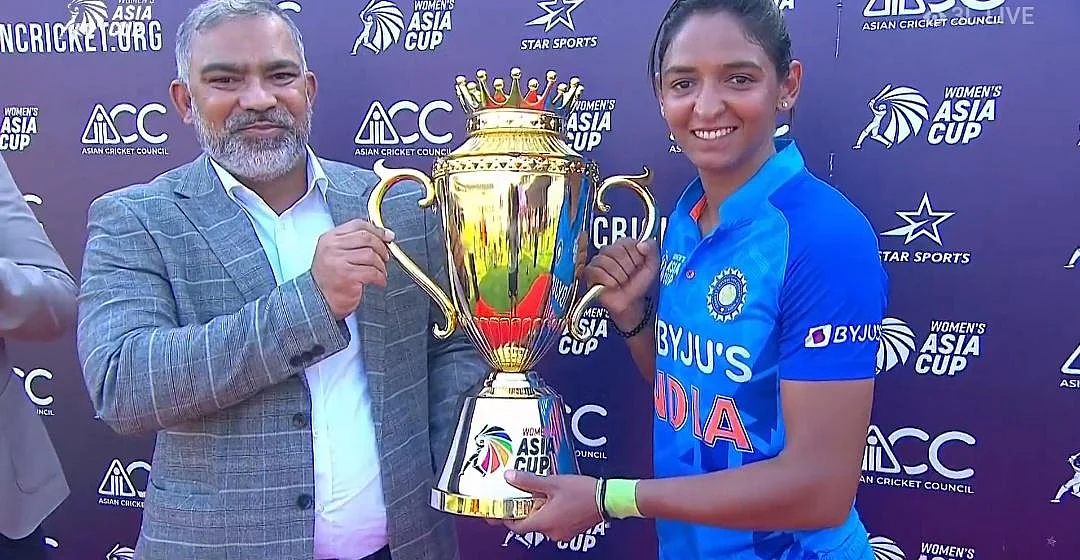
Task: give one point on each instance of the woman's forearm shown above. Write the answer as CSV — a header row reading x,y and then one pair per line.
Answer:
x,y
775,494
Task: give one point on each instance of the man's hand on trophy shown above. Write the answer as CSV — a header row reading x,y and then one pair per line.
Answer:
x,y
347,258
565,508
627,270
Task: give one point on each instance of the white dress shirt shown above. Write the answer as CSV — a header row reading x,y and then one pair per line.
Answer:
x,y
350,516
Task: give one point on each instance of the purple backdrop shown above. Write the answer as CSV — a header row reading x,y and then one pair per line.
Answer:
x,y
966,169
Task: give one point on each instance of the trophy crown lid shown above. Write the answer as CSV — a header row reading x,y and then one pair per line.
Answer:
x,y
478,96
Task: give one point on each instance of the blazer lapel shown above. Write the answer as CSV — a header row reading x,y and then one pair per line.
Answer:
x,y
226,228
348,201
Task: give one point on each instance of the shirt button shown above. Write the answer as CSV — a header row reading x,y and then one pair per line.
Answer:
x,y
299,420
304,501
690,273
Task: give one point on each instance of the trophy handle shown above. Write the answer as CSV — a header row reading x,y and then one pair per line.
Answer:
x,y
387,179
638,184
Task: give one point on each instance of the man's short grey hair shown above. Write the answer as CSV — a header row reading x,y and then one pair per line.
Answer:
x,y
212,13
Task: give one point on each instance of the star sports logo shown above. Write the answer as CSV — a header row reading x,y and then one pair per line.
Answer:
x,y
557,11
922,222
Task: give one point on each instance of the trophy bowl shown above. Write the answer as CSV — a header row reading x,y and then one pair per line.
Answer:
x,y
515,203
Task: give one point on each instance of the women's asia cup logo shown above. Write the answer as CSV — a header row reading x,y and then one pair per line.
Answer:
x,y
493,449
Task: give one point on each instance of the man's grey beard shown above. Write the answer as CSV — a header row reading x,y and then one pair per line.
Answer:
x,y
257,159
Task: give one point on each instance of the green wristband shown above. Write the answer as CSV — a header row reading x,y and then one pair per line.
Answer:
x,y
620,500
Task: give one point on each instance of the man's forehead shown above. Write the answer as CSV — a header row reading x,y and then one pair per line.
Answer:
x,y
248,40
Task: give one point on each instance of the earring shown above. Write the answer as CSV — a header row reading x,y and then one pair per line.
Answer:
x,y
784,104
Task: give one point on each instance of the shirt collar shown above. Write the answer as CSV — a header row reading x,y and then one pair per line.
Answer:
x,y
743,204
316,177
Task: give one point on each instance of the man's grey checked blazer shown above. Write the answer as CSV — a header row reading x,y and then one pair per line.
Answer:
x,y
183,330
37,302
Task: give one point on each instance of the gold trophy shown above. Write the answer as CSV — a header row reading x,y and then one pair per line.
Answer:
x,y
515,201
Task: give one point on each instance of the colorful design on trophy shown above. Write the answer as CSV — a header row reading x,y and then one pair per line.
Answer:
x,y
493,449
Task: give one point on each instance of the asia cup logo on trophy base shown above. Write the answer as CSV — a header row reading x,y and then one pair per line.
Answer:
x,y
515,203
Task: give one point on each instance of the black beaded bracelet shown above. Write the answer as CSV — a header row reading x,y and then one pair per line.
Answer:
x,y
644,321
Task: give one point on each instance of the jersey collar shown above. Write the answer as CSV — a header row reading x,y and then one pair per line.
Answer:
x,y
746,201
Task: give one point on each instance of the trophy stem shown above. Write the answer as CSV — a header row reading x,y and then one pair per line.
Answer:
x,y
509,385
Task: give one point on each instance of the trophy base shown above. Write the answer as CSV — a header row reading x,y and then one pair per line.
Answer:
x,y
474,506
514,422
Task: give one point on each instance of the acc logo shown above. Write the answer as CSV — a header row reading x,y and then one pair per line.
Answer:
x,y
29,378
105,127
1071,366
380,127
929,14
727,294
885,8
117,487
576,417
880,455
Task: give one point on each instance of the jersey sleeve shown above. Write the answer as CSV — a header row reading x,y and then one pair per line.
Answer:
x,y
833,299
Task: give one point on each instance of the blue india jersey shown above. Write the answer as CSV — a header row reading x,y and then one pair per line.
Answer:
x,y
789,286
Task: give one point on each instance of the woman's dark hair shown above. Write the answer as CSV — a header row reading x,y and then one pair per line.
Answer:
x,y
761,19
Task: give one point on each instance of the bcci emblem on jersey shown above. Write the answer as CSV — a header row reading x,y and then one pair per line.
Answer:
x,y
727,294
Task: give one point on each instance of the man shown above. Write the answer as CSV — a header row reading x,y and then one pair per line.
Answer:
x,y
37,303
243,308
